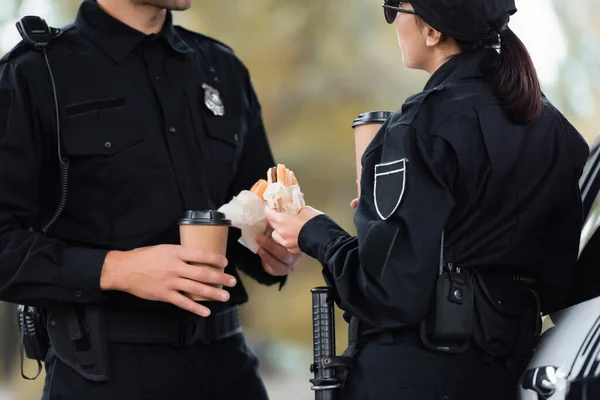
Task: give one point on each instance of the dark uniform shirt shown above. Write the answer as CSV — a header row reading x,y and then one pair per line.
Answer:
x,y
451,161
142,145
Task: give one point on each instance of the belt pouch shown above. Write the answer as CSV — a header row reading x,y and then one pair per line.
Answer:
x,y
78,336
449,325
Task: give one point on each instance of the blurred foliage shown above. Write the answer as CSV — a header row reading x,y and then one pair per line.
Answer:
x,y
315,66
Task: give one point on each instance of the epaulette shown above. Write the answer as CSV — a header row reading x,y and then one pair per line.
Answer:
x,y
18,49
21,47
57,32
204,37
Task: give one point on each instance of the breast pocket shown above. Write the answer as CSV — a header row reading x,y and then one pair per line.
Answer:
x,y
389,187
220,138
102,153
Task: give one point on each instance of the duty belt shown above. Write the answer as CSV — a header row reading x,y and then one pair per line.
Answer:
x,y
178,330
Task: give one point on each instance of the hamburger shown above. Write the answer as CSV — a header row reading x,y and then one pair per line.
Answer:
x,y
259,188
281,174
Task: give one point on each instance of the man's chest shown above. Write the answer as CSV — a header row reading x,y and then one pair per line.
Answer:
x,y
146,125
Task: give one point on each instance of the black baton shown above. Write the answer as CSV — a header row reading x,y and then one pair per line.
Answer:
x,y
325,384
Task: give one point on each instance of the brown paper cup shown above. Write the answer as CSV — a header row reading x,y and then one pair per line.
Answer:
x,y
366,127
207,231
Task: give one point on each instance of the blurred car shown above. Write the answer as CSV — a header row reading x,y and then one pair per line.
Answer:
x,y
566,364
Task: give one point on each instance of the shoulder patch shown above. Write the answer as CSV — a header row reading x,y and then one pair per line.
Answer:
x,y
389,187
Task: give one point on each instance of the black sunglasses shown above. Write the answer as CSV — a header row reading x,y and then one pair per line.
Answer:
x,y
391,8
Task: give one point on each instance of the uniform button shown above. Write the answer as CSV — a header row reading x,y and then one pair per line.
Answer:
x,y
216,79
172,130
78,293
444,398
185,187
108,145
236,137
157,78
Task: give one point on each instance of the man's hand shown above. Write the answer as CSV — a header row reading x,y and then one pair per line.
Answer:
x,y
161,273
354,204
276,259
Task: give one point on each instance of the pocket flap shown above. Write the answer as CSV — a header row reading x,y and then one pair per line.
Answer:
x,y
221,128
97,139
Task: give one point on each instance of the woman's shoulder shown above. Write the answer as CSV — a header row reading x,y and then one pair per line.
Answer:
x,y
429,109
553,121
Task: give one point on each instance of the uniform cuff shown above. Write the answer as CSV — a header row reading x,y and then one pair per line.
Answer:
x,y
80,273
316,235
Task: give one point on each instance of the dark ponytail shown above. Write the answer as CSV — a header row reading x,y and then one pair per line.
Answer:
x,y
515,79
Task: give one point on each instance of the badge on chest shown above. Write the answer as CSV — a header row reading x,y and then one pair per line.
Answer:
x,y
389,187
212,100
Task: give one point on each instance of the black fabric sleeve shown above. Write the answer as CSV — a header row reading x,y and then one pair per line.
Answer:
x,y
34,269
386,275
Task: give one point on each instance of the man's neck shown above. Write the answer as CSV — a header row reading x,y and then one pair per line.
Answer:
x,y
144,18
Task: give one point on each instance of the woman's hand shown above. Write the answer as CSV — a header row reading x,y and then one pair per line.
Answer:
x,y
287,227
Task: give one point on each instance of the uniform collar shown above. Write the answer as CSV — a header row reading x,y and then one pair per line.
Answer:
x,y
118,39
463,66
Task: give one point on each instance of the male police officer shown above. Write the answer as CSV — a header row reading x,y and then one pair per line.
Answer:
x,y
153,120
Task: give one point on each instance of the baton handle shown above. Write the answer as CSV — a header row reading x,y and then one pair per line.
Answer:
x,y
323,341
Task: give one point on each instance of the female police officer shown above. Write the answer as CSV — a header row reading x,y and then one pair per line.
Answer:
x,y
480,165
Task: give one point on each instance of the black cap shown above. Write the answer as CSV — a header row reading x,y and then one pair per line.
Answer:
x,y
371,117
204,217
466,20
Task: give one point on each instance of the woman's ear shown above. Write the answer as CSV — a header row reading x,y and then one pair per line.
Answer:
x,y
432,37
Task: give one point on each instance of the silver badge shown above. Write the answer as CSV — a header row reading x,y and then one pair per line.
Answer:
x,y
212,100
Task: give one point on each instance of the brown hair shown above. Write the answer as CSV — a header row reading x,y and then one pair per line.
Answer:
x,y
514,77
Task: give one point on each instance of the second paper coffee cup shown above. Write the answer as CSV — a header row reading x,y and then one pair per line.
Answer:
x,y
205,230
366,126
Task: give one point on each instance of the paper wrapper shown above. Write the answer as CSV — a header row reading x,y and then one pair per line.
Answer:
x,y
247,210
284,198
247,213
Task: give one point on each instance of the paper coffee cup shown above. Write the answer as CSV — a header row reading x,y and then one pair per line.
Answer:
x,y
366,126
205,230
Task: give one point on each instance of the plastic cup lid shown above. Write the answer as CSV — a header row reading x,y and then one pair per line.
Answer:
x,y
371,117
204,217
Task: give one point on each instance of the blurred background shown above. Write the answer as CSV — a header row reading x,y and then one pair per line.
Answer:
x,y
316,65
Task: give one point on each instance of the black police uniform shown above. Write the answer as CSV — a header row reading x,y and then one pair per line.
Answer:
x,y
505,195
143,147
